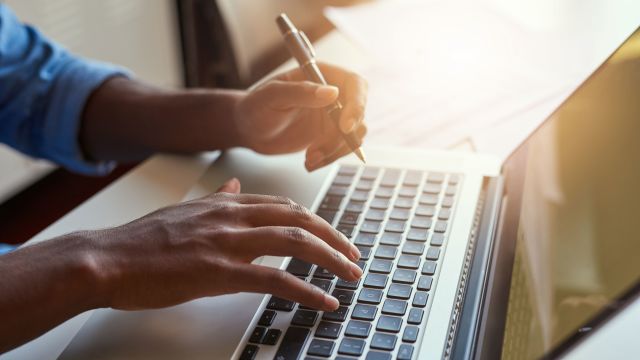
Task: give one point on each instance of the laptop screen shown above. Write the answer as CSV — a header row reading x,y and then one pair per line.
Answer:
x,y
577,249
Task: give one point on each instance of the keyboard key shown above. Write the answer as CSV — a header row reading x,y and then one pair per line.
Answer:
x,y
385,192
437,239
276,303
328,330
375,215
340,314
390,178
393,239
415,316
365,240
344,180
349,218
399,291
347,170
370,296
360,195
357,328
413,178
435,177
404,203
381,266
364,312
410,334
365,185
347,230
433,253
383,341
447,202
417,235
408,191
365,252
355,207
395,226
444,214
424,283
425,210
370,173
413,248
421,222
389,324
331,203
431,188
372,227
267,318
345,297
361,264
327,215
429,268
379,203
454,179
377,281
451,190
249,352
405,352
400,214
323,284
394,307
257,335
323,348
299,267
441,226
323,273
409,262
420,299
292,343
386,252
338,190
349,285
304,318
353,347
378,355
428,199
404,276
271,337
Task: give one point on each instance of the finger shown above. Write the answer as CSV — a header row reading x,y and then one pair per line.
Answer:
x,y
266,280
284,95
250,198
298,242
355,100
324,153
230,186
297,216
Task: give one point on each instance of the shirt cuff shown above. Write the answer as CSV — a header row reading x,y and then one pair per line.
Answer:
x,y
77,80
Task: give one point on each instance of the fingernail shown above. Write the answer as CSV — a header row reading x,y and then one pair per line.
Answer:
x,y
356,271
313,163
330,302
326,92
355,253
347,124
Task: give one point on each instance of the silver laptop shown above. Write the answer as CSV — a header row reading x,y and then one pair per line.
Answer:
x,y
464,256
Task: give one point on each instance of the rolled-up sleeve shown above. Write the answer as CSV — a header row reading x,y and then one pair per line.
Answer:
x,y
43,91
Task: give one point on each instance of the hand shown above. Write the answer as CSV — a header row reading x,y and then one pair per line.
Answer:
x,y
286,114
205,247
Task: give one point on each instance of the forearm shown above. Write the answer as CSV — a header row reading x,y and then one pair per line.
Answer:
x,y
43,285
125,120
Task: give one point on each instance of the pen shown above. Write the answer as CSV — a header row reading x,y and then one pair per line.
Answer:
x,y
300,48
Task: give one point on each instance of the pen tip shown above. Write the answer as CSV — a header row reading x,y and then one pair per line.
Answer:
x,y
360,154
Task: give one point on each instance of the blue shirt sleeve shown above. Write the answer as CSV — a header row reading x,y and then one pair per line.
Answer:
x,y
43,90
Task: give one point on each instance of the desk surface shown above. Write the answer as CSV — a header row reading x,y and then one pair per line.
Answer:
x,y
165,179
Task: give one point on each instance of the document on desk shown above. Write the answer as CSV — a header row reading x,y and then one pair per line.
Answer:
x,y
443,73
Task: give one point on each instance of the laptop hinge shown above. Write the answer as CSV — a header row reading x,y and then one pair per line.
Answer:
x,y
465,320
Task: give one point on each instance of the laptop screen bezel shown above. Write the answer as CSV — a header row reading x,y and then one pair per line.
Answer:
x,y
496,302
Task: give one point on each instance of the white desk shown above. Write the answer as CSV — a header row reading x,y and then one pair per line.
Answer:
x,y
164,180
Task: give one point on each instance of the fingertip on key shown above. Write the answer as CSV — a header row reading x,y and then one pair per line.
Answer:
x,y
330,303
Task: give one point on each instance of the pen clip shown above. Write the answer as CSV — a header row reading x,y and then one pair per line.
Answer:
x,y
307,43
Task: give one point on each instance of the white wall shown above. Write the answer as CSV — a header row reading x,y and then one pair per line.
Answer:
x,y
141,35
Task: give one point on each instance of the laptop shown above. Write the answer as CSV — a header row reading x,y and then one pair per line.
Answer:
x,y
464,255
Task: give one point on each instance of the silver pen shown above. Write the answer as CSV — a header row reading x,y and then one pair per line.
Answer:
x,y
300,48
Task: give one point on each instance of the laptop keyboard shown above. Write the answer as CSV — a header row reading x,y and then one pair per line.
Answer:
x,y
399,219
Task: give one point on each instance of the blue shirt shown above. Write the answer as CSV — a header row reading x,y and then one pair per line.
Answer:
x,y
43,90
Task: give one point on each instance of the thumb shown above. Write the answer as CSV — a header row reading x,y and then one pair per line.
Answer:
x,y
291,94
230,186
